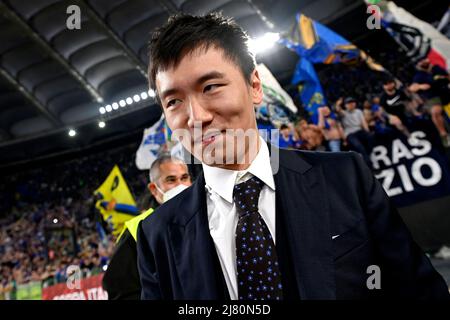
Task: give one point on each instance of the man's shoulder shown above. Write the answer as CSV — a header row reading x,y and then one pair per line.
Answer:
x,y
322,157
168,212
340,170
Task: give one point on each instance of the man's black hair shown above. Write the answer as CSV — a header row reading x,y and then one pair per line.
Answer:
x,y
184,33
388,79
284,126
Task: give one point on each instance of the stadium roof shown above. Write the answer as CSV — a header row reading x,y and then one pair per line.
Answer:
x,y
53,79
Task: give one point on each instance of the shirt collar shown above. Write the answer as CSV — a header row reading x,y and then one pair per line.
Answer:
x,y
222,181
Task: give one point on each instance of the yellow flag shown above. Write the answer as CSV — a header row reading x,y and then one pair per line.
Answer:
x,y
116,203
307,32
447,110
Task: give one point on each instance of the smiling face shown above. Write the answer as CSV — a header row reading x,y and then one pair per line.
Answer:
x,y
207,91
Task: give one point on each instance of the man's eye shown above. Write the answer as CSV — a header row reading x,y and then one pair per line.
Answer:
x,y
173,102
210,87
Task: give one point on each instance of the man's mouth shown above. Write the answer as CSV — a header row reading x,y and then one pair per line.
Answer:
x,y
209,138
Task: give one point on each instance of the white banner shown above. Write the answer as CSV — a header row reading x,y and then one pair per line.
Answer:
x,y
273,92
439,42
152,141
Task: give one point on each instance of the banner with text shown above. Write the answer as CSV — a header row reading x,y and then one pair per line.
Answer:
x,y
81,289
413,169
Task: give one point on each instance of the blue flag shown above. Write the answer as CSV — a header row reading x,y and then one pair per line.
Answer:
x,y
319,44
308,84
315,43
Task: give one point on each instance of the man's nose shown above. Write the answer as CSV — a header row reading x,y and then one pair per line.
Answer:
x,y
198,112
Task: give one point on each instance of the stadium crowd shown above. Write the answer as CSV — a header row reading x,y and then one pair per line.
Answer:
x,y
49,221
366,104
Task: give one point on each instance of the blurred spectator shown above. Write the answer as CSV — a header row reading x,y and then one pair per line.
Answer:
x,y
381,122
395,102
287,139
311,136
432,84
331,129
356,128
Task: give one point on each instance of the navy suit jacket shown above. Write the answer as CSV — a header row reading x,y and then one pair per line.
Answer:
x,y
333,221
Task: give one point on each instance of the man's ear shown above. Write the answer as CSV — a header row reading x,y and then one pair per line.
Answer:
x,y
257,88
152,188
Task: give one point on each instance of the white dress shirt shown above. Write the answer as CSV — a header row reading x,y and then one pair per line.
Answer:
x,y
222,215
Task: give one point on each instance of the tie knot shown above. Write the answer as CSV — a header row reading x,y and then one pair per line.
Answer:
x,y
246,195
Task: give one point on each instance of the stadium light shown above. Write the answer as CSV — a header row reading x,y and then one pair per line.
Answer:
x,y
72,133
263,43
55,221
130,100
101,124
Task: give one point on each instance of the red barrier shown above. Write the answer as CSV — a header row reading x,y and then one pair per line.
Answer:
x,y
87,289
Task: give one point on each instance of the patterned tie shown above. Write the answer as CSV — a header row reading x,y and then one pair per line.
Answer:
x,y
258,273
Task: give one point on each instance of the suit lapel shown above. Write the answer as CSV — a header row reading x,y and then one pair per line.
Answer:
x,y
198,267
300,191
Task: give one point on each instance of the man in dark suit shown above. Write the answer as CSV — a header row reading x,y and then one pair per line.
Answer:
x,y
168,177
262,222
